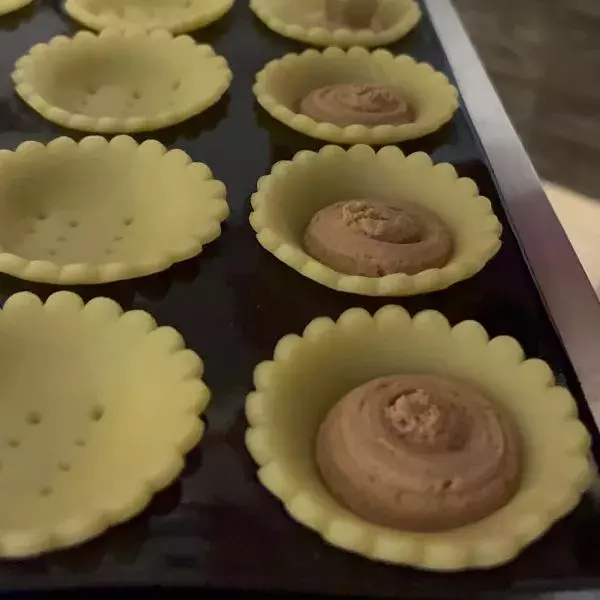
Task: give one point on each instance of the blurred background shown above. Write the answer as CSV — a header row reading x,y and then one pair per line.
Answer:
x,y
543,56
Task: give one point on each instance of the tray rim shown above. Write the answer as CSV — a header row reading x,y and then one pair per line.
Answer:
x,y
566,292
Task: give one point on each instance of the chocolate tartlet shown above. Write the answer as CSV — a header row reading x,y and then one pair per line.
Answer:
x,y
369,238
419,453
357,104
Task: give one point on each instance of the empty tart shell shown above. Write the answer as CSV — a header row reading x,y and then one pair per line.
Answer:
x,y
305,22
284,83
98,409
294,191
121,81
8,6
309,374
99,211
177,16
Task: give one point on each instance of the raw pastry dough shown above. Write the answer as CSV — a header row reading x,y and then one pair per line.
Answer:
x,y
121,81
8,6
177,16
307,21
289,197
283,83
308,374
98,211
98,408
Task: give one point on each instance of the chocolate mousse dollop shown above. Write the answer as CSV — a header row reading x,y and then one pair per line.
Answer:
x,y
357,104
372,239
419,453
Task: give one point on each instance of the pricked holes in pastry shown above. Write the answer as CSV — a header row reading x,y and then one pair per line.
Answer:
x,y
64,466
97,413
14,443
34,418
46,491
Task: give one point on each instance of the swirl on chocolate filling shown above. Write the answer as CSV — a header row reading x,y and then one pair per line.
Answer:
x,y
419,453
357,104
372,239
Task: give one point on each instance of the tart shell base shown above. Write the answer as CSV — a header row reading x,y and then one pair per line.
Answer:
x,y
121,81
99,211
8,6
311,373
296,190
293,19
98,409
176,16
284,82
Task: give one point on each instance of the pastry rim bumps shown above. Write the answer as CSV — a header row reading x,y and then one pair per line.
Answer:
x,y
190,394
446,102
342,37
25,85
202,18
204,232
537,505
485,225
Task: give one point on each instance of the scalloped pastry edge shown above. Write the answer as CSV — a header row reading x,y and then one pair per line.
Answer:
x,y
201,18
398,284
95,521
354,134
44,271
342,37
394,546
26,89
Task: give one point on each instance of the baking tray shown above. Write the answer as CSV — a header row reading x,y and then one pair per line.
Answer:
x,y
217,529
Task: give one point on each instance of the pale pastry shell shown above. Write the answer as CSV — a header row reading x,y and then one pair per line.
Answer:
x,y
295,190
176,16
284,82
288,18
97,411
8,6
99,211
121,81
308,374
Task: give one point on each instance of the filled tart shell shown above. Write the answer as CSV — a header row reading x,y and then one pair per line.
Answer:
x,y
310,373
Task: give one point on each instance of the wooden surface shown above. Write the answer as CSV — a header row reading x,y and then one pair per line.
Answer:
x,y
543,57
580,217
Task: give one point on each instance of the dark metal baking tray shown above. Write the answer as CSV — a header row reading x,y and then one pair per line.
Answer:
x,y
216,528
